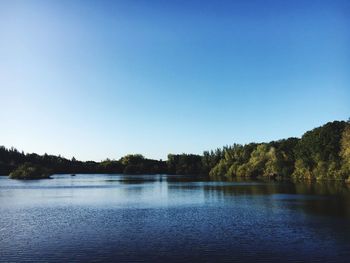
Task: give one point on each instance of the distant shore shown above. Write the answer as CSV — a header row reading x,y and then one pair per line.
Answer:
x,y
320,154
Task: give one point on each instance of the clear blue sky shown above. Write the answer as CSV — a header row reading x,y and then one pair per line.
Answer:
x,y
98,79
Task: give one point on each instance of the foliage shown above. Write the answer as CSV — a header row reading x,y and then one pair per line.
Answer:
x,y
11,158
322,153
185,164
318,152
138,164
28,171
345,151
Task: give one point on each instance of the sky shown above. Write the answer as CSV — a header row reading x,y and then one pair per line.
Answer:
x,y
101,79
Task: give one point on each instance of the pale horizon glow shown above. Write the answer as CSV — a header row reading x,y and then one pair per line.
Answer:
x,y
102,79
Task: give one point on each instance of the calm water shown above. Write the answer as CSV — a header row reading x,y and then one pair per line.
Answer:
x,y
99,218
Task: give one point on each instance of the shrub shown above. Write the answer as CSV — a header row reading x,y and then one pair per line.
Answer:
x,y
28,171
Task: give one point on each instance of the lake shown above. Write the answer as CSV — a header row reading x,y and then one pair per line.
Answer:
x,y
160,218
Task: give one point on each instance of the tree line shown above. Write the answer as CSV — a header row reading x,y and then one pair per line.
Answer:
x,y
322,153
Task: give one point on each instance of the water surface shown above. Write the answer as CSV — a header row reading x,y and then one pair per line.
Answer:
x,y
159,218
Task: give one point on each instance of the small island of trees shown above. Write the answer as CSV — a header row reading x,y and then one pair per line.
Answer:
x,y
28,171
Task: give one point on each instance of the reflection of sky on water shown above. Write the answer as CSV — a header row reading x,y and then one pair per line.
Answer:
x,y
163,191
173,219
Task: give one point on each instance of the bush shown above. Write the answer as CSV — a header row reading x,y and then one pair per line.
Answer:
x,y
28,171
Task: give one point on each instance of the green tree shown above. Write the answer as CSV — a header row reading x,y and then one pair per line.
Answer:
x,y
317,153
345,151
29,171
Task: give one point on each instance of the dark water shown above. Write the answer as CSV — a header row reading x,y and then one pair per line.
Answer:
x,y
102,218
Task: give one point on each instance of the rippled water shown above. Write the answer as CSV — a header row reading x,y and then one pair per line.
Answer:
x,y
103,218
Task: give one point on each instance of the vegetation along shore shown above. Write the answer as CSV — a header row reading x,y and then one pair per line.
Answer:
x,y
322,153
